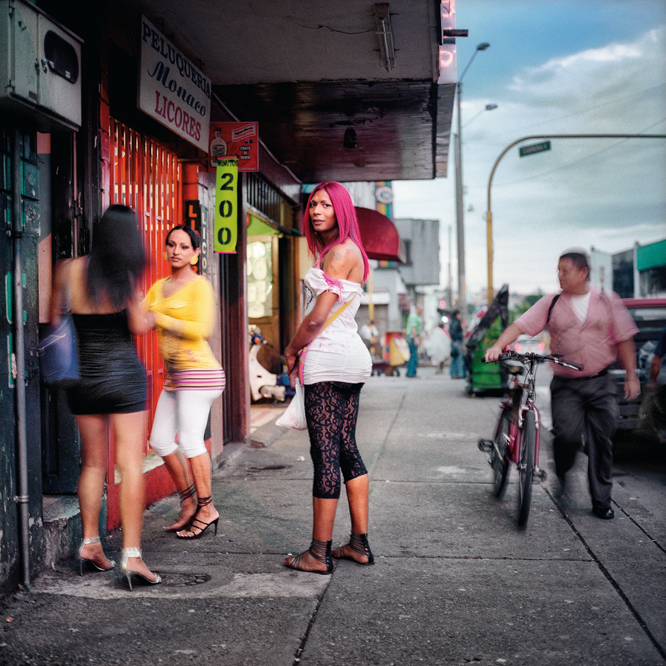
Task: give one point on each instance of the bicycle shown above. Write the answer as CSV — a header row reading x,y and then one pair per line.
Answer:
x,y
518,433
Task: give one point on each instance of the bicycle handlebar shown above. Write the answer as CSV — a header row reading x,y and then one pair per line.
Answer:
x,y
510,354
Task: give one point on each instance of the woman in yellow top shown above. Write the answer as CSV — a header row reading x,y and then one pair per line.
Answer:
x,y
182,308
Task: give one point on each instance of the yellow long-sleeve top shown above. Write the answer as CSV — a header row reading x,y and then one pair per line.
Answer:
x,y
184,320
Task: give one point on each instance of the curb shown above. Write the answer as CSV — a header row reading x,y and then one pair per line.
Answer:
x,y
265,435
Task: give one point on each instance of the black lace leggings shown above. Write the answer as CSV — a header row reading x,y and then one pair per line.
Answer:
x,y
332,411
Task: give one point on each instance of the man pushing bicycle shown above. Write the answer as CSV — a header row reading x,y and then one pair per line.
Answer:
x,y
594,329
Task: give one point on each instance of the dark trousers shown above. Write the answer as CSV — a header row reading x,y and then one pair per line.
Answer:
x,y
457,369
585,412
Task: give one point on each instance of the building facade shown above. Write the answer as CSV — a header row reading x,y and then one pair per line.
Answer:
x,y
85,129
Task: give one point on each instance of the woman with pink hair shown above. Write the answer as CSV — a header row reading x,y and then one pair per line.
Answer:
x,y
333,363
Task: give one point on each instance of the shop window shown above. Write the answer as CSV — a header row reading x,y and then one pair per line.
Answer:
x,y
260,279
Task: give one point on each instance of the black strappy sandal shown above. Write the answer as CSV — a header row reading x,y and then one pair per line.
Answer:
x,y
359,544
203,501
184,495
320,551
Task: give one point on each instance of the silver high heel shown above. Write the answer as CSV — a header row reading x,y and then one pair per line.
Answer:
x,y
85,560
135,552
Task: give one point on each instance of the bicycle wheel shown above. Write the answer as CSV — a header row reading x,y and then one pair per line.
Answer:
x,y
500,461
526,467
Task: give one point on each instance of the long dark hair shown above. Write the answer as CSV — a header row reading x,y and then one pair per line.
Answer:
x,y
117,258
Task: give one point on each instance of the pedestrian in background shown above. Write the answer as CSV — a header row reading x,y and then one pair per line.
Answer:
x,y
182,308
370,335
414,325
438,347
457,369
653,418
593,329
655,363
333,363
100,290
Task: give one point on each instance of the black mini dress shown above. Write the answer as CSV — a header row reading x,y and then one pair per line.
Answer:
x,y
113,381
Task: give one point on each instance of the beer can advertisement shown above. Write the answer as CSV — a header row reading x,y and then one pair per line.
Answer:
x,y
239,140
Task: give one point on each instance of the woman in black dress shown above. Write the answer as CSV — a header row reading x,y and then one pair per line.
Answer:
x,y
100,290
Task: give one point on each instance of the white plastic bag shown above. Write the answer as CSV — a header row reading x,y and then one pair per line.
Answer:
x,y
294,415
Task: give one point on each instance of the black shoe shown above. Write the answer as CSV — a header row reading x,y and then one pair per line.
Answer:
x,y
359,544
320,551
606,514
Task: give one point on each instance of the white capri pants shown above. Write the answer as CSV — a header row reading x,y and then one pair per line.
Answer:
x,y
185,413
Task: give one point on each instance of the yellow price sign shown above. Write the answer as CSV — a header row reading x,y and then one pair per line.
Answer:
x,y
226,206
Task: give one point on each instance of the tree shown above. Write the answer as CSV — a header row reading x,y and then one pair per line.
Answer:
x,y
526,304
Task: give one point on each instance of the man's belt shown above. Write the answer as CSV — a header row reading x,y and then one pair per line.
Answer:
x,y
603,373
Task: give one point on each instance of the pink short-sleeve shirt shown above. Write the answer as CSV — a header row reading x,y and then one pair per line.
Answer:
x,y
592,344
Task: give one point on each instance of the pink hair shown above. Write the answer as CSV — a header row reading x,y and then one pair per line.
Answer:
x,y
345,216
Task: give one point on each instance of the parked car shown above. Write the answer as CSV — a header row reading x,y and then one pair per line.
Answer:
x,y
650,317
526,344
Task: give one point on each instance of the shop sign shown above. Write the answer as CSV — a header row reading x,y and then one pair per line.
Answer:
x,y
235,139
226,206
171,89
384,194
193,219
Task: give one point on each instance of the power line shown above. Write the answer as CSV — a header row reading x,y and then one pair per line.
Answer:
x,y
617,100
576,162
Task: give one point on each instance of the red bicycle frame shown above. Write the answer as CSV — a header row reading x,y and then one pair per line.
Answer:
x,y
514,402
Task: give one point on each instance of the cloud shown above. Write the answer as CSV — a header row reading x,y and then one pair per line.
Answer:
x,y
615,53
577,79
604,192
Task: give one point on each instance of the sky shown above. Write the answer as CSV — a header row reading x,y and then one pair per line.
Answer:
x,y
565,67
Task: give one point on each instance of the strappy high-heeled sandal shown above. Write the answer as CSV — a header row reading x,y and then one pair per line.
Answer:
x,y
87,560
195,523
184,495
359,544
135,552
320,551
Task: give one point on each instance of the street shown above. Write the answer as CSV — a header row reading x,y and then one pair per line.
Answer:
x,y
455,580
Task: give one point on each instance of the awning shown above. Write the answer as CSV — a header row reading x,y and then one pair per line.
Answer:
x,y
380,238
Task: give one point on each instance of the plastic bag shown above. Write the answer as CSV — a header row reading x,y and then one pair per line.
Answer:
x,y
294,415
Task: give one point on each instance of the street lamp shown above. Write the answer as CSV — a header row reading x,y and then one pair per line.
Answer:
x,y
488,107
460,222
489,214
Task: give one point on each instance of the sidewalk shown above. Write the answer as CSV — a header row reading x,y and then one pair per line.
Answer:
x,y
455,581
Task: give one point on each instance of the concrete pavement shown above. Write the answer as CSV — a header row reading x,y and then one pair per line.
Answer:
x,y
455,581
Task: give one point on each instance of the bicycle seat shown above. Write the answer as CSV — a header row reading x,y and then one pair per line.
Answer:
x,y
513,367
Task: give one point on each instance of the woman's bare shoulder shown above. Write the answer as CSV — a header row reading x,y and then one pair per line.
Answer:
x,y
342,260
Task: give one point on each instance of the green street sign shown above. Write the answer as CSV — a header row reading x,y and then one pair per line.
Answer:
x,y
534,148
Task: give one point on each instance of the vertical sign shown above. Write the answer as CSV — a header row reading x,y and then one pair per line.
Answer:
x,y
193,219
226,206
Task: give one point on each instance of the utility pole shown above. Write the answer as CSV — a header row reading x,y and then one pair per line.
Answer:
x,y
460,215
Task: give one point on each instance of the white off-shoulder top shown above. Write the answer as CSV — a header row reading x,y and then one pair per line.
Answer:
x,y
338,353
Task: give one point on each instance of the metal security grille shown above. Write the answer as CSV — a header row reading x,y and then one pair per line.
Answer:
x,y
262,196
146,177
